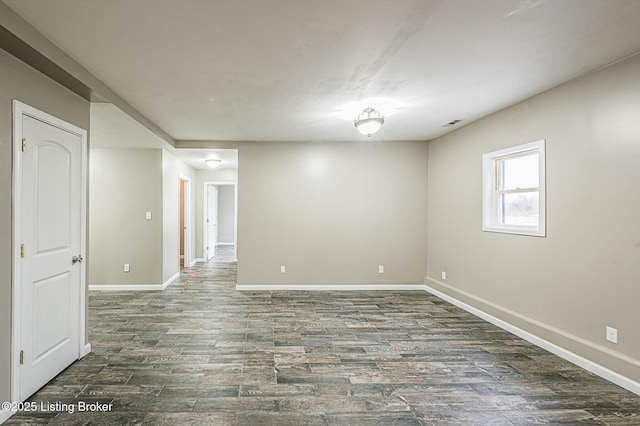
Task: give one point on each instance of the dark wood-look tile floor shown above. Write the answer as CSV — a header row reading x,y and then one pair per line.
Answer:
x,y
202,353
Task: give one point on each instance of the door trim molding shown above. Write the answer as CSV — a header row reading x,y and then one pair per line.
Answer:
x,y
19,110
188,256
205,213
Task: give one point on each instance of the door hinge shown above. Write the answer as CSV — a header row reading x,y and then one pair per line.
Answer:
x,y
22,250
21,357
24,144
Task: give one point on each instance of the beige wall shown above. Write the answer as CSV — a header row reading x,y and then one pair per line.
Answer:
x,y
585,274
226,213
332,212
124,185
172,170
21,82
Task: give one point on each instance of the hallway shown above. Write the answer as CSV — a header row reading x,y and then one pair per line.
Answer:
x,y
202,353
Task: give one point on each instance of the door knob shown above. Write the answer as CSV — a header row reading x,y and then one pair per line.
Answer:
x,y
76,259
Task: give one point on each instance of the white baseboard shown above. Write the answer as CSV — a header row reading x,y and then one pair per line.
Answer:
x,y
134,287
587,364
127,287
350,287
170,280
225,244
86,350
5,414
194,261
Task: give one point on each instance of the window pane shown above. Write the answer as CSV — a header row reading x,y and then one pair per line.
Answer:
x,y
520,208
520,172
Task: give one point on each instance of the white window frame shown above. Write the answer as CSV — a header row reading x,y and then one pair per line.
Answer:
x,y
491,221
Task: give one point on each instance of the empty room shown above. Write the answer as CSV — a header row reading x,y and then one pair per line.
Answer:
x,y
418,212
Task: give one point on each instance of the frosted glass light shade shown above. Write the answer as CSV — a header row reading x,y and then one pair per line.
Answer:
x,y
369,121
213,162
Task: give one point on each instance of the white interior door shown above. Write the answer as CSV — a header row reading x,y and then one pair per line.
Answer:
x,y
212,220
50,230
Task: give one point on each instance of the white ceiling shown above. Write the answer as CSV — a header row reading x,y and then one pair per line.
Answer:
x,y
113,129
295,70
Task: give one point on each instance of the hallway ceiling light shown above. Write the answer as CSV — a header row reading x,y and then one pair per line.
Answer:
x,y
369,121
213,162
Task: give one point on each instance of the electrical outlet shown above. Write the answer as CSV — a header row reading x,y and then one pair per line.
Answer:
x,y
283,269
381,269
444,275
126,267
612,335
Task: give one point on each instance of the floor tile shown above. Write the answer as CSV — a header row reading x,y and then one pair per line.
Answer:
x,y
201,352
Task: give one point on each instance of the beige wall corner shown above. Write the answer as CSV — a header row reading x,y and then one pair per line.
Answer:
x,y
583,276
125,184
23,83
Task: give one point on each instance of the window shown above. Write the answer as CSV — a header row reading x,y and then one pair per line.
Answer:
x,y
513,190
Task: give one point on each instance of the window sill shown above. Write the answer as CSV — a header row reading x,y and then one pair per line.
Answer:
x,y
531,232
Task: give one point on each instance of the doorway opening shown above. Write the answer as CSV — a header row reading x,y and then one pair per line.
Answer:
x,y
220,217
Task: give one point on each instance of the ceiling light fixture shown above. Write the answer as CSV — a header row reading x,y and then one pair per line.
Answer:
x,y
369,121
213,162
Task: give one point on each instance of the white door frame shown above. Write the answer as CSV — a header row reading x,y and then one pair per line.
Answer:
x,y
20,109
187,219
205,215
213,192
